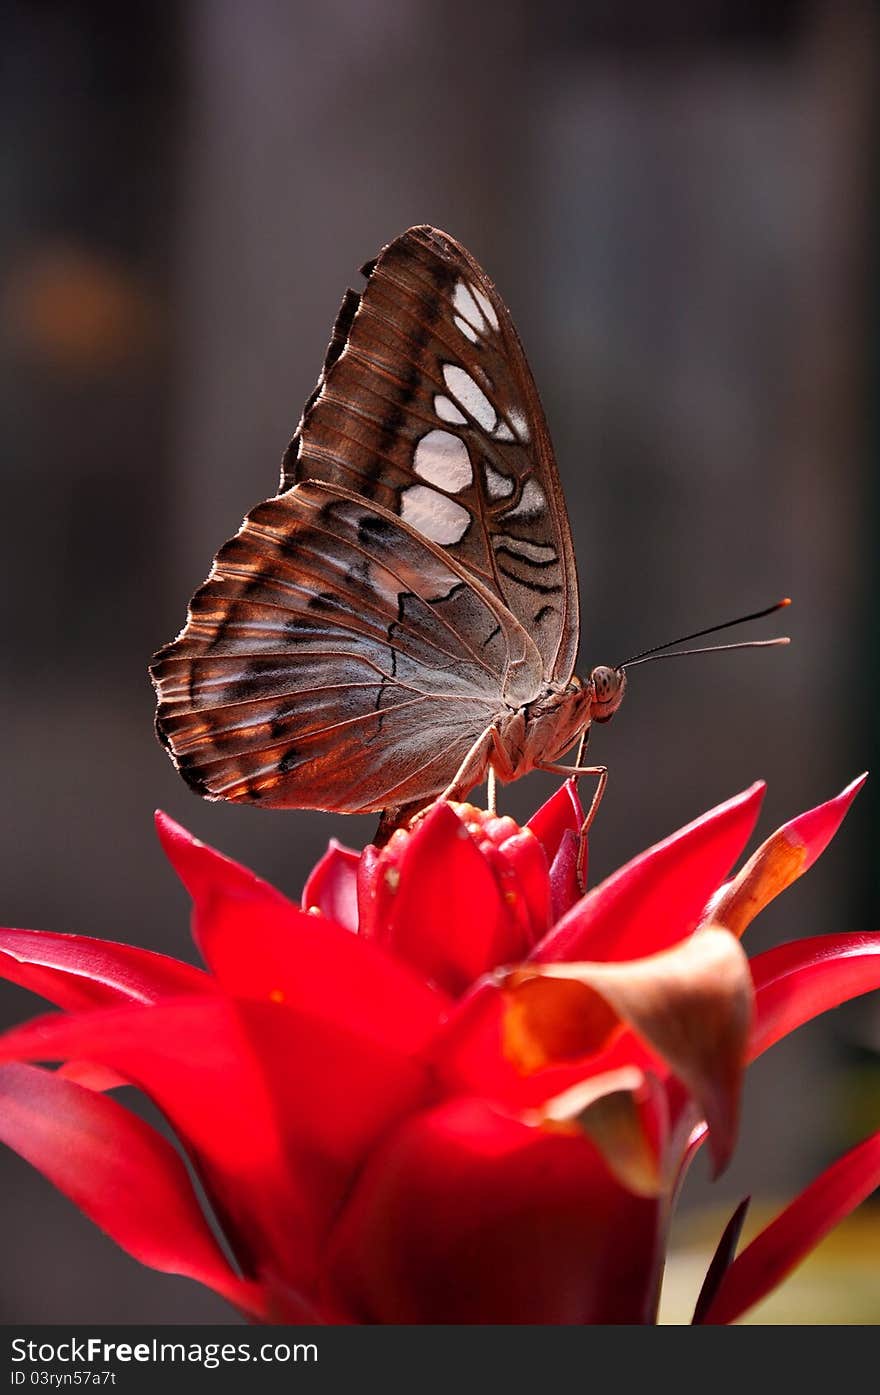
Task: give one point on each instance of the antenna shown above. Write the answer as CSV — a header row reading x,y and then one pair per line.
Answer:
x,y
708,649
659,651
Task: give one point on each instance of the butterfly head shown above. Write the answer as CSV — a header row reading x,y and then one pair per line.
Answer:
x,y
608,686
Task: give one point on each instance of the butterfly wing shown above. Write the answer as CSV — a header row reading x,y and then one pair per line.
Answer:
x,y
335,659
426,405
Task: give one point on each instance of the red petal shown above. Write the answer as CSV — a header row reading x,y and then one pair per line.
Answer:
x,y
817,827
565,887
563,813
467,1216
521,869
446,916
94,1077
77,972
253,1091
207,874
335,1094
372,892
259,945
658,898
691,1004
623,1112
779,861
789,1239
796,982
470,1056
120,1172
332,886
192,1057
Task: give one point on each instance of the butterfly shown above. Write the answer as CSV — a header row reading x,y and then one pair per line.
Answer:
x,y
400,621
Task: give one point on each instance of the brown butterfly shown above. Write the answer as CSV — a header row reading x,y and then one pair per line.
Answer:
x,y
401,620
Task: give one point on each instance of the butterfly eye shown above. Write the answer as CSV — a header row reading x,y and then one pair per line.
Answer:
x,y
608,685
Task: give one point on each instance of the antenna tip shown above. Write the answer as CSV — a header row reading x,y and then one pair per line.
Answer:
x,y
786,600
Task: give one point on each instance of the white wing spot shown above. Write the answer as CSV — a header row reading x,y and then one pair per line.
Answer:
x,y
467,330
447,411
437,518
520,425
471,397
498,485
532,501
487,307
532,552
466,305
443,459
503,432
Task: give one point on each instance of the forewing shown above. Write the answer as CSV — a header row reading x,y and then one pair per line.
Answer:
x,y
427,406
335,659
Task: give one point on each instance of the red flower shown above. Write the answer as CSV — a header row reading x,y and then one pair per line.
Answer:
x,y
391,1126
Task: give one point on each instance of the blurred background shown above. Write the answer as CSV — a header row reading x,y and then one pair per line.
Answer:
x,y
679,204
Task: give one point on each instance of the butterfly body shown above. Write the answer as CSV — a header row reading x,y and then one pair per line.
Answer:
x,y
403,614
542,731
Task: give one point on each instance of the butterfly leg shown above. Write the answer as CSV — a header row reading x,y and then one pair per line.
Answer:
x,y
473,768
488,760
601,771
473,771
576,771
582,745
